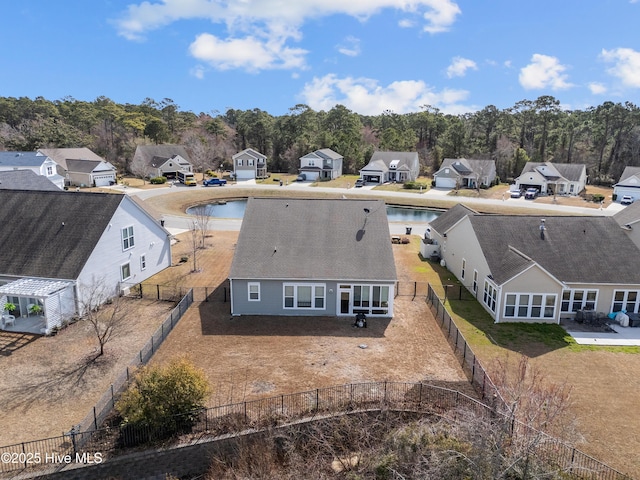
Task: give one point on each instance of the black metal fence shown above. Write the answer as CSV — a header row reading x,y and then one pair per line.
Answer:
x,y
168,292
304,406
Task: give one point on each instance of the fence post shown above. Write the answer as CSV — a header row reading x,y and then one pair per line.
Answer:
x,y
113,402
152,352
206,294
158,291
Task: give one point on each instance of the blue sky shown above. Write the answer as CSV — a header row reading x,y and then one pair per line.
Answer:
x,y
369,55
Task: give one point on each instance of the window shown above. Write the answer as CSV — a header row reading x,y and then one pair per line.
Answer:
x,y
525,305
373,299
49,171
127,238
250,162
239,162
574,300
311,296
125,271
489,297
254,292
143,262
464,267
475,281
628,300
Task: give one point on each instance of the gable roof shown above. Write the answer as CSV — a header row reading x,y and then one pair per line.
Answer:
x,y
628,215
554,171
25,180
629,173
22,159
465,166
61,155
56,233
154,155
328,154
251,153
406,158
449,218
574,249
83,166
314,239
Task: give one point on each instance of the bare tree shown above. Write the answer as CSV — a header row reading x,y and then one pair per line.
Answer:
x,y
195,242
104,311
202,222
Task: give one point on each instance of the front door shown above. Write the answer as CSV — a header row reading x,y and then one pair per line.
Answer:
x,y
345,301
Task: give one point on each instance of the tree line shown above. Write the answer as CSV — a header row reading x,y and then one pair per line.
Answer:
x,y
606,137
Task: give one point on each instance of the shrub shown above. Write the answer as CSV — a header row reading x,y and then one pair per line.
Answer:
x,y
165,398
414,186
158,180
597,197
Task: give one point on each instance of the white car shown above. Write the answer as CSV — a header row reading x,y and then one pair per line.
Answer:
x,y
626,200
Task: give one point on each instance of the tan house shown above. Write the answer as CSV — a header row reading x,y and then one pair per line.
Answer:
x,y
249,164
525,268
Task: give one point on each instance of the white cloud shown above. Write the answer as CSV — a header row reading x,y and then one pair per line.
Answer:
x,y
198,72
350,47
249,53
459,67
626,65
597,88
268,24
367,97
544,72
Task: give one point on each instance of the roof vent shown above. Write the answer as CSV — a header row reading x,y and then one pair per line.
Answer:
x,y
543,228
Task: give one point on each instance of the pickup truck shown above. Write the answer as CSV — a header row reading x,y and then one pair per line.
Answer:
x,y
214,181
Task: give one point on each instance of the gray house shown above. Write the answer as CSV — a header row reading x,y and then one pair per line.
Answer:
x,y
323,164
249,164
465,173
34,161
391,167
160,161
629,184
313,258
25,180
553,178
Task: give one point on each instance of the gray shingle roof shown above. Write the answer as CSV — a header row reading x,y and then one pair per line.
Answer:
x,y
406,158
61,155
570,171
449,218
308,239
575,249
22,159
25,180
82,166
628,173
148,153
34,242
629,215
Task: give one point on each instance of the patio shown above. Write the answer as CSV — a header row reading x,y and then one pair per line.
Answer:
x,y
622,336
35,324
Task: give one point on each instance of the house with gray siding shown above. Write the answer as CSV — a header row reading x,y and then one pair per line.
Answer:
x,y
325,257
81,166
465,173
628,184
164,160
249,164
66,245
36,162
386,167
323,164
553,178
528,268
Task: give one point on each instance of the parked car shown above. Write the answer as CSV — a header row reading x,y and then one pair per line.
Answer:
x,y
515,193
626,200
359,183
214,181
302,177
531,193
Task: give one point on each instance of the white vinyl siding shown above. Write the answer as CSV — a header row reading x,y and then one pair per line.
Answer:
x,y
304,295
628,300
254,291
529,305
127,238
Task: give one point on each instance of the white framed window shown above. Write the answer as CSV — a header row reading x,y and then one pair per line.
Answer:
x,y
490,294
529,305
125,271
628,300
143,262
127,238
574,300
304,295
475,281
239,162
371,298
250,162
254,291
464,267
49,171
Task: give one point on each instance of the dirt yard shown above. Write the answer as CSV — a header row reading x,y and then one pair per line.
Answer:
x,y
49,384
251,357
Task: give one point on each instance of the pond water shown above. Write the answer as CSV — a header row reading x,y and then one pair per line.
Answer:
x,y
395,214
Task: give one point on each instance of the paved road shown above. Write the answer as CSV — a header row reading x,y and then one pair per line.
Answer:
x,y
176,224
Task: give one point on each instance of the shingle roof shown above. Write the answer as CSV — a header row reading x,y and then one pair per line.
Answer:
x,y
82,166
61,155
449,218
25,180
466,166
304,239
148,153
570,171
21,159
628,173
51,234
629,215
328,154
388,157
574,249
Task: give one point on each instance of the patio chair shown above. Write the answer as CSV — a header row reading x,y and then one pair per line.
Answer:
x,y
8,320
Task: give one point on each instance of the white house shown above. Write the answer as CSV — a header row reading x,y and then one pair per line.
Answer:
x,y
249,164
629,184
37,163
386,167
323,164
60,244
81,166
553,178
465,173
160,160
525,268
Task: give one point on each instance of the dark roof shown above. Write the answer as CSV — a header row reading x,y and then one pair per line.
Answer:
x,y
627,173
51,234
466,166
82,166
25,180
22,159
629,214
449,218
574,249
304,239
148,153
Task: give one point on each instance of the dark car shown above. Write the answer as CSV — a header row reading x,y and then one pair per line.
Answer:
x,y
301,178
359,183
214,181
531,193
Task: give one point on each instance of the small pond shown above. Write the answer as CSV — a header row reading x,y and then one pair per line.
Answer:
x,y
395,214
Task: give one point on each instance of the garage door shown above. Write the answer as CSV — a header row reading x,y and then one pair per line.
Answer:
x,y
372,178
445,182
312,176
104,180
245,174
